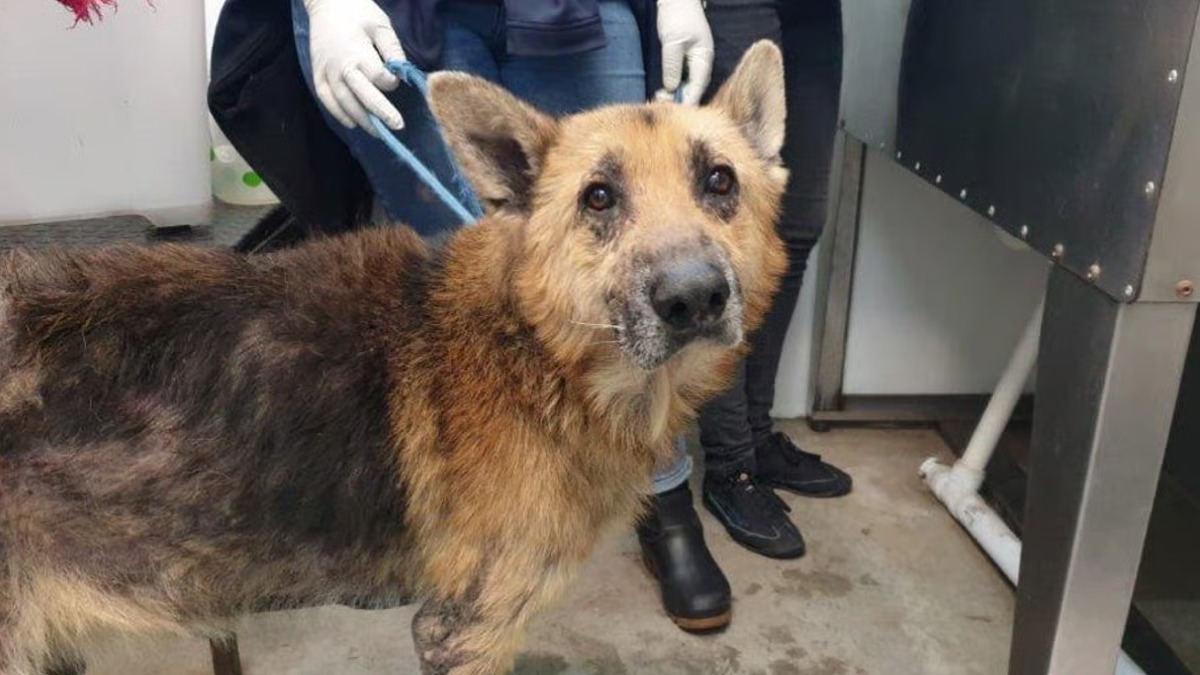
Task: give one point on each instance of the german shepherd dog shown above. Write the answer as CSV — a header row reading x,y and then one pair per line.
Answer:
x,y
187,434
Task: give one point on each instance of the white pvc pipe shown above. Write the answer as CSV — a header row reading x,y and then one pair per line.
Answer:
x,y
1000,407
960,498
958,487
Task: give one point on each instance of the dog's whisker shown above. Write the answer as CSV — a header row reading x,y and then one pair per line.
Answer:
x,y
599,325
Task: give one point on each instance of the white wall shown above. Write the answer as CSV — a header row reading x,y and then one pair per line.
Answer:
x,y
795,372
103,119
939,298
212,12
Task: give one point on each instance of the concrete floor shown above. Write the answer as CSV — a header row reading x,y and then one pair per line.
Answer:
x,y
890,586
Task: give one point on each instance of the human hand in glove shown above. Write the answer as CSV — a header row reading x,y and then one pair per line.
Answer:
x,y
685,37
349,41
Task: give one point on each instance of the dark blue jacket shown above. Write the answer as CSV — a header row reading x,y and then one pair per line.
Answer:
x,y
532,27
258,97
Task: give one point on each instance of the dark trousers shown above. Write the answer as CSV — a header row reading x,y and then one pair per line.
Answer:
x,y
810,34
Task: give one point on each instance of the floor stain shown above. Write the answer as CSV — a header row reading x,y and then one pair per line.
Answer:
x,y
807,584
596,657
779,635
728,661
649,636
753,589
796,652
540,663
733,657
826,666
868,580
782,667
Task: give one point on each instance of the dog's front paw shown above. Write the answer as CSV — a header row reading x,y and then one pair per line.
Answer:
x,y
436,627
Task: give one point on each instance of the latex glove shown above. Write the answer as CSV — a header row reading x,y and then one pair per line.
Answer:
x,y
685,36
349,40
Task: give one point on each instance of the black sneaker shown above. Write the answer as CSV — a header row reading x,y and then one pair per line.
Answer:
x,y
695,593
783,465
753,515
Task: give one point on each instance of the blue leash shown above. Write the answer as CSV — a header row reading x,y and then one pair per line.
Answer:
x,y
412,75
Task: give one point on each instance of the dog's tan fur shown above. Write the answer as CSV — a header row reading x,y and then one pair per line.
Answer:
x,y
188,435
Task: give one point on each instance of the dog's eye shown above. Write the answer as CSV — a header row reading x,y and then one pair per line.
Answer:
x,y
720,181
599,197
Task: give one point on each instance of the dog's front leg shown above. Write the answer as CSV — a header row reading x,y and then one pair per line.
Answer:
x,y
438,630
481,633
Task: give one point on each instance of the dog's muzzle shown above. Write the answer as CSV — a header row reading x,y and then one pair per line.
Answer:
x,y
690,298
680,300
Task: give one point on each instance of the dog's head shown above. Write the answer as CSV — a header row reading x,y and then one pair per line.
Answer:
x,y
647,230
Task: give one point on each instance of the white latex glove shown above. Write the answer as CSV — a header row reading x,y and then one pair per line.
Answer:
x,y
685,36
349,40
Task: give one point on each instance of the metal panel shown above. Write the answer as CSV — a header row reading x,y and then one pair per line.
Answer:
x,y
835,278
1173,265
1051,117
1107,381
873,35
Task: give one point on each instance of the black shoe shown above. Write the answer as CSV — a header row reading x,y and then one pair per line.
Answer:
x,y
695,592
753,515
783,465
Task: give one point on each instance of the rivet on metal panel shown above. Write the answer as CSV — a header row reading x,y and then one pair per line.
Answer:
x,y
1057,252
1024,231
1093,272
991,210
898,154
1185,288
917,166
882,145
1129,291
962,194
1150,188
1172,75
938,179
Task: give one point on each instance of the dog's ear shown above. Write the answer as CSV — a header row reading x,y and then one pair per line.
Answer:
x,y
498,140
753,97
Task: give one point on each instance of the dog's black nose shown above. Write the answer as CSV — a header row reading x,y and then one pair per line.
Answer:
x,y
690,295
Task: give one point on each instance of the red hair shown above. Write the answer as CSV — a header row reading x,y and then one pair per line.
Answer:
x,y
87,10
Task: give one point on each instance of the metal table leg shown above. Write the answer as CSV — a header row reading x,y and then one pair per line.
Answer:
x,y
835,279
1107,382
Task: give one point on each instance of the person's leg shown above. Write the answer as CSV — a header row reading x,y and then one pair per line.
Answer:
x,y
401,195
812,67
751,513
725,432
676,474
695,592
812,51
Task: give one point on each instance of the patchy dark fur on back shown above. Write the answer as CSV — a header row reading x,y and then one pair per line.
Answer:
x,y
187,435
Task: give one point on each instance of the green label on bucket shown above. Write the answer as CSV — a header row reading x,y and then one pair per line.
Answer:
x,y
252,179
